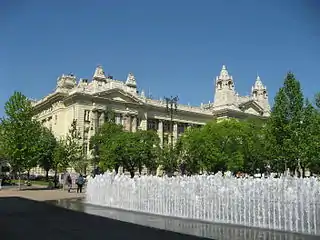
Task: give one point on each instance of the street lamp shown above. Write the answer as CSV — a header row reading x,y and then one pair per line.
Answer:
x,y
171,107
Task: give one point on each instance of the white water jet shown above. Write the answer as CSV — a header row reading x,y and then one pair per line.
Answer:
x,y
287,203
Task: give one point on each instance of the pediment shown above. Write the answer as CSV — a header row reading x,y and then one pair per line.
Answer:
x,y
119,95
251,107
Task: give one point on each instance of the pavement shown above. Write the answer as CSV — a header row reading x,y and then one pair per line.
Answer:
x,y
24,214
39,193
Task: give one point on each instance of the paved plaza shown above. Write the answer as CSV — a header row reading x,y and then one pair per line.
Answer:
x,y
39,193
25,215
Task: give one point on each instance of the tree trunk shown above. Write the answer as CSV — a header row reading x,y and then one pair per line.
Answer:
x,y
19,177
55,178
303,172
132,174
47,175
299,174
28,175
183,169
116,168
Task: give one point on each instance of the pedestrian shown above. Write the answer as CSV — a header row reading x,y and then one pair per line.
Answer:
x,y
80,182
69,182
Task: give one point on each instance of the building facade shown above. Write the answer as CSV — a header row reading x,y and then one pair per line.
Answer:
x,y
86,101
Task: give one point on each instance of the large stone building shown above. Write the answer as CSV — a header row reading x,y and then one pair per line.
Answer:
x,y
87,100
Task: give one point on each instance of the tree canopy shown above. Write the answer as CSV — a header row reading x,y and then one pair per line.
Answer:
x,y
20,133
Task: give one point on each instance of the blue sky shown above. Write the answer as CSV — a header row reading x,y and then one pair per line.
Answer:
x,y
173,47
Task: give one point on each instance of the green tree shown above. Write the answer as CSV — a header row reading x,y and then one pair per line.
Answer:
x,y
254,149
104,147
74,148
317,100
310,140
229,142
168,159
46,146
218,146
68,151
21,132
284,127
190,147
129,155
149,146
224,150
2,139
60,159
124,150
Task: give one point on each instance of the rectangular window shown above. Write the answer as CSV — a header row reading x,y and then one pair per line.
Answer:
x,y
85,135
85,148
165,140
182,127
138,122
166,126
152,124
86,115
55,119
118,119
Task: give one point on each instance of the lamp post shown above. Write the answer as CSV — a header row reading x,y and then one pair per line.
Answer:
x,y
171,106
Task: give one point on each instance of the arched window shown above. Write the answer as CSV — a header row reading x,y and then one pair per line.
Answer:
x,y
255,94
230,85
219,84
265,94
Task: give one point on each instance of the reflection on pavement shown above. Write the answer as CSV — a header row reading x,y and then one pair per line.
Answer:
x,y
191,227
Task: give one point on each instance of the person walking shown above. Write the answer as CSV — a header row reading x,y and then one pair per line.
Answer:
x,y
69,182
80,182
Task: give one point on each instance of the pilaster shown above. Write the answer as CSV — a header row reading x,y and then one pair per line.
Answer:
x,y
134,124
144,123
160,132
94,122
101,118
175,132
127,123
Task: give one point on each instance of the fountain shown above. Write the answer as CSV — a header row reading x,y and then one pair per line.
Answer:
x,y
286,204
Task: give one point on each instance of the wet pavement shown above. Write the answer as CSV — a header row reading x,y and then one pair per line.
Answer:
x,y
22,218
201,229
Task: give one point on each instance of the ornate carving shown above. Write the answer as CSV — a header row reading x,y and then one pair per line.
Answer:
x,y
131,80
99,73
66,82
57,105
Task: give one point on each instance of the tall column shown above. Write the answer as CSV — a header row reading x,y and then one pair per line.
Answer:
x,y
101,119
127,123
94,121
175,132
134,124
144,123
160,132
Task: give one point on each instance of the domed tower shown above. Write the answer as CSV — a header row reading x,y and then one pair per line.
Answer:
x,y
259,93
224,88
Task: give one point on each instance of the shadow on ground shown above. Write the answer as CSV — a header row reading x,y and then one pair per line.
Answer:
x,y
27,219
